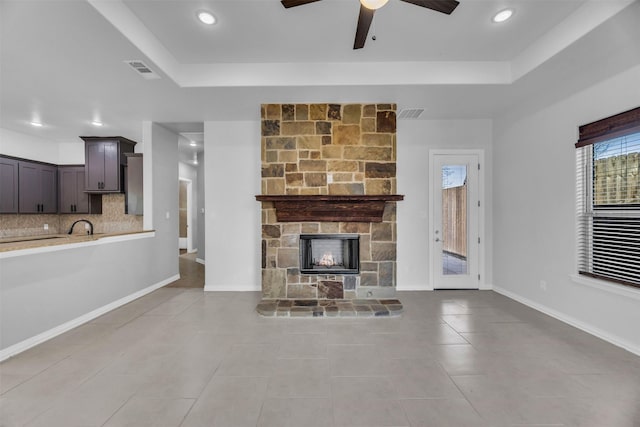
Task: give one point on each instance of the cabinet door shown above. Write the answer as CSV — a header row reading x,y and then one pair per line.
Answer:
x,y
111,167
48,189
82,198
68,189
94,158
73,199
8,185
29,187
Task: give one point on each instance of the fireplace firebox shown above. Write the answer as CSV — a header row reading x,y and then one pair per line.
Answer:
x,y
329,254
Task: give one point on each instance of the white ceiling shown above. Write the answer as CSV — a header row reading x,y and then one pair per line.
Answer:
x,y
61,62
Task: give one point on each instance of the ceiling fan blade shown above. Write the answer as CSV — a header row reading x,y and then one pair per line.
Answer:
x,y
444,6
364,22
293,3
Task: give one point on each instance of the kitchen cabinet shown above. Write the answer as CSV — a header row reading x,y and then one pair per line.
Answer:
x,y
8,185
105,161
72,197
37,187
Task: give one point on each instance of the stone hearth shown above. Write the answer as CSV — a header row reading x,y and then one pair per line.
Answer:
x,y
330,308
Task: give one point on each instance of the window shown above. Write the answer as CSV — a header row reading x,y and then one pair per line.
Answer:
x,y
608,198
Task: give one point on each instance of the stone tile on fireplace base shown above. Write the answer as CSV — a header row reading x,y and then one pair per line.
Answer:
x,y
329,308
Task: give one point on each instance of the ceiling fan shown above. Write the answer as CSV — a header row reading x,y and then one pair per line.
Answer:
x,y
368,8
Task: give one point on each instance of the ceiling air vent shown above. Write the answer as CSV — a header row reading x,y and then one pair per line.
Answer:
x,y
142,69
410,113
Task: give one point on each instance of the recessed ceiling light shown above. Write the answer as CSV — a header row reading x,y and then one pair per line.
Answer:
x,y
97,123
503,15
206,17
193,144
36,124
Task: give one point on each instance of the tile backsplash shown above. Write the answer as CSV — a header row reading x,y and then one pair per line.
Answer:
x,y
112,220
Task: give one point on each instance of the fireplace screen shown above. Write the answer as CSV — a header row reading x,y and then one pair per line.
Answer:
x,y
329,254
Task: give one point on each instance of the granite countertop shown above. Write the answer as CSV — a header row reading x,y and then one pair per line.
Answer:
x,y
28,242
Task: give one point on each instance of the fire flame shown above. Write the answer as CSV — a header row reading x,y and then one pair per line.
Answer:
x,y
327,260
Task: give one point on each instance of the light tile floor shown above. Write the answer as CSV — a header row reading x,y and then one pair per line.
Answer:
x,y
180,357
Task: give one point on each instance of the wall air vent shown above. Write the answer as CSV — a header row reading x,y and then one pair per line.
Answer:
x,y
142,69
410,113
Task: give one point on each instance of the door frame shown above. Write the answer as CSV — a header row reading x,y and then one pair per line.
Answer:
x,y
481,211
189,213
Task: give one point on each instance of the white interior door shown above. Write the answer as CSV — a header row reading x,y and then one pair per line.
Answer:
x,y
455,219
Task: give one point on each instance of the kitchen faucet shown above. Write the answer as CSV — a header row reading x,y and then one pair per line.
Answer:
x,y
82,220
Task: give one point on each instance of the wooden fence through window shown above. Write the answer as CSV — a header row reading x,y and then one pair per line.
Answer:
x,y
454,220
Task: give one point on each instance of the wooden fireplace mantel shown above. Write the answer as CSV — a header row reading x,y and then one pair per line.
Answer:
x,y
347,208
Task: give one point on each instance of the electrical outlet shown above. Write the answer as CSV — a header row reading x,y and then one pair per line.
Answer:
x,y
543,285
46,226
329,178
167,215
86,226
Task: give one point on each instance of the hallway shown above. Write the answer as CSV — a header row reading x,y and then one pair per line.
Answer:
x,y
191,272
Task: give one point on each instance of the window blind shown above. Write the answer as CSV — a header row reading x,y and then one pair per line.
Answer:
x,y
608,207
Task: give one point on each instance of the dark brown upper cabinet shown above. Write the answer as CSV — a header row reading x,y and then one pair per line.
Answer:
x,y
72,197
104,163
37,187
8,185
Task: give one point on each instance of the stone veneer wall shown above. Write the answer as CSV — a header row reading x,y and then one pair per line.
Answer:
x,y
328,149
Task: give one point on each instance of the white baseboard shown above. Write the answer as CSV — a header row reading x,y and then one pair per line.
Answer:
x,y
200,261
613,339
414,287
231,288
67,326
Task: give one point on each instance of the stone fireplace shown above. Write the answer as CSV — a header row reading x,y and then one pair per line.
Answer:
x,y
328,173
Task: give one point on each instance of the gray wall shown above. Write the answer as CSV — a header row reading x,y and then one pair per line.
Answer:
x,y
43,291
415,139
232,179
534,212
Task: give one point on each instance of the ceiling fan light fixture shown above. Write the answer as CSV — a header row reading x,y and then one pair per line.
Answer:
x,y
206,17
373,4
502,16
